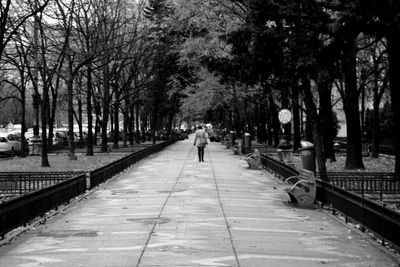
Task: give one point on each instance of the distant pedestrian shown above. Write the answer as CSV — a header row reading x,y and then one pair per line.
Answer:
x,y
200,141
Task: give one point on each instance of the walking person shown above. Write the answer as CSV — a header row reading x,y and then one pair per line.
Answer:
x,y
200,141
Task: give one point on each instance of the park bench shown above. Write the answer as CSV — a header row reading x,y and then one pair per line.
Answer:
x,y
227,142
254,160
302,188
236,149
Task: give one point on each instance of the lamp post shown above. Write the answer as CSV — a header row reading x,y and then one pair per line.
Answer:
x,y
35,104
284,150
36,140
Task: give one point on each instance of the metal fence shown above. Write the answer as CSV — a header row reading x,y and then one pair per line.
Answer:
x,y
22,209
277,167
364,182
385,150
102,174
20,183
341,147
371,215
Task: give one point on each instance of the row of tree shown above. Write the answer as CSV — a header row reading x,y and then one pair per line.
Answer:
x,y
296,55
236,62
98,61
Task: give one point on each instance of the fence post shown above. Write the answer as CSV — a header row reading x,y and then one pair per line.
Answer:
x,y
362,206
345,204
88,184
20,184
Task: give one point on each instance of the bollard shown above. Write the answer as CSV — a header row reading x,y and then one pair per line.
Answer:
x,y
247,141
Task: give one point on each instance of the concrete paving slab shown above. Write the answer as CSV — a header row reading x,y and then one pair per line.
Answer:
x,y
171,210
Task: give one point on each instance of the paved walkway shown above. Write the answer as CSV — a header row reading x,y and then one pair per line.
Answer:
x,y
171,210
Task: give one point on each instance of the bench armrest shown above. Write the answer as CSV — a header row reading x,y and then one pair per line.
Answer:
x,y
301,182
250,155
291,177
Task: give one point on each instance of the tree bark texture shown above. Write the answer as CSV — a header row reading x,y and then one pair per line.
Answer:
x,y
44,104
312,116
106,101
296,118
262,134
375,129
89,145
274,117
394,77
326,118
116,123
351,108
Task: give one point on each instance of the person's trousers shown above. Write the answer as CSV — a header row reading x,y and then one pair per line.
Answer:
x,y
200,151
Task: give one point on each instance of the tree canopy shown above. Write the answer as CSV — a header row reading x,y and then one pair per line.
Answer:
x,y
149,64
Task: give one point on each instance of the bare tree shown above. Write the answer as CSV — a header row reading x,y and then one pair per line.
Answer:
x,y
13,16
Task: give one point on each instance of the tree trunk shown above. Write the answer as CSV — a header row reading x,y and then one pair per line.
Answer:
x,y
262,134
170,123
362,91
89,145
98,123
154,125
50,124
71,141
375,129
270,132
238,125
143,126
312,116
126,124
274,117
308,134
80,111
257,119
394,76
116,123
44,104
137,123
106,87
230,120
296,118
326,115
351,108
110,134
131,123
23,121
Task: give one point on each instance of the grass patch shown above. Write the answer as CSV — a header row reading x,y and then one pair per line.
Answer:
x,y
59,162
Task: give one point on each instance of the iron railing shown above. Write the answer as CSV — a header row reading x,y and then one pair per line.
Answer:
x,y
278,168
22,209
341,146
20,183
371,215
364,182
385,150
98,148
104,173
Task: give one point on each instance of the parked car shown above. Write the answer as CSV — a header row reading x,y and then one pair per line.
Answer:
x,y
9,144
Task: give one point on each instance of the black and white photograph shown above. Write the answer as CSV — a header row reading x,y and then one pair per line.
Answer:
x,y
188,133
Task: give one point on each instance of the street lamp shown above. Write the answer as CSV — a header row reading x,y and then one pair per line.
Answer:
x,y
36,140
35,104
284,150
